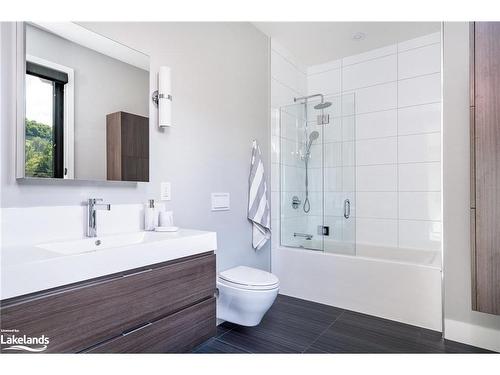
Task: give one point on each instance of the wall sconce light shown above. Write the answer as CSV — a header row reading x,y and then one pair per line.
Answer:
x,y
163,97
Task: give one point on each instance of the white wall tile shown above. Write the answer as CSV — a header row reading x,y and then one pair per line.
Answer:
x,y
292,178
377,178
325,83
377,205
275,121
291,126
419,119
275,149
377,124
334,203
376,98
420,235
285,72
334,130
333,154
420,177
291,153
420,41
419,148
372,54
280,94
275,177
376,151
419,90
369,73
348,153
348,125
348,178
277,47
316,156
419,61
377,232
420,206
275,205
319,68
333,179
315,179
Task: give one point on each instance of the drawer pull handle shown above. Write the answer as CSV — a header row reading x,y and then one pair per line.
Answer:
x,y
138,272
136,329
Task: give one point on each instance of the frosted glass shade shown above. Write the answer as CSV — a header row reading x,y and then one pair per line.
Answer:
x,y
164,97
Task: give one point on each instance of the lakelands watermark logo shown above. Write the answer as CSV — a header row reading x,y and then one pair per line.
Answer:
x,y
18,342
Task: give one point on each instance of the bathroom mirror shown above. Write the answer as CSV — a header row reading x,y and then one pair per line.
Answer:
x,y
83,105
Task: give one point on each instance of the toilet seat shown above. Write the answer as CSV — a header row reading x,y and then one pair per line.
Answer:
x,y
243,277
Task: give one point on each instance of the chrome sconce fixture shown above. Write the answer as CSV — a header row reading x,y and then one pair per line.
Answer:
x,y
163,97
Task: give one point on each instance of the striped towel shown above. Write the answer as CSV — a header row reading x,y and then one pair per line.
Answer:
x,y
258,206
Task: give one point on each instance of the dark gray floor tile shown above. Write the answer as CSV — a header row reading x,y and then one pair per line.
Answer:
x,y
360,333
290,326
293,325
215,346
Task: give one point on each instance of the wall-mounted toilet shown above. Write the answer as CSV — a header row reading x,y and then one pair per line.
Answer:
x,y
245,295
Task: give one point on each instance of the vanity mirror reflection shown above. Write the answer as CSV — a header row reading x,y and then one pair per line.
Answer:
x,y
83,106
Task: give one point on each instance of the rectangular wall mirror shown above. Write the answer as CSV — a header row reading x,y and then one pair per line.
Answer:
x,y
83,106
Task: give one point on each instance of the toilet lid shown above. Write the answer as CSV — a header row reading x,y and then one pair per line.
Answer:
x,y
249,276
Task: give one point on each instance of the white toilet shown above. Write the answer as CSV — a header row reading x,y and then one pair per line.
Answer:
x,y
245,295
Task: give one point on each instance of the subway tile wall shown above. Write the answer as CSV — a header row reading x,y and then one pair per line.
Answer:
x,y
397,141
288,80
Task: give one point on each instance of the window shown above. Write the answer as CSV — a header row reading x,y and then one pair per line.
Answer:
x,y
44,149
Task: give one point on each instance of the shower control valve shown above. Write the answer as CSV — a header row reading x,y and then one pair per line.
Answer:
x,y
296,202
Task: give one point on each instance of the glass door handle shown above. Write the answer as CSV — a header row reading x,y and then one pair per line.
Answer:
x,y
347,208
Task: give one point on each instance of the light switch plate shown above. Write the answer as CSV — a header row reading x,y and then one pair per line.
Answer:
x,y
220,201
165,191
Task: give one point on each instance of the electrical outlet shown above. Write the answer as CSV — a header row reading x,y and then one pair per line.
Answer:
x,y
165,191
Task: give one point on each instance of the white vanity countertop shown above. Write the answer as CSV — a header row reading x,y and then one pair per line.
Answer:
x,y
28,269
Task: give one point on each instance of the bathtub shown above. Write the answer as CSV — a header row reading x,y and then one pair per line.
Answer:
x,y
398,284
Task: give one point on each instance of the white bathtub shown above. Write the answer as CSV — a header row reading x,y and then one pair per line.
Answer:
x,y
391,283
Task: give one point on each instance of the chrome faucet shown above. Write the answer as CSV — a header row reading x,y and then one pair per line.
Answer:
x,y
93,206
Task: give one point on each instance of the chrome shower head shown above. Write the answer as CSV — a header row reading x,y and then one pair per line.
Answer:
x,y
313,136
322,105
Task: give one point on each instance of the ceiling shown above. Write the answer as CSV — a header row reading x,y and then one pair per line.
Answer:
x,y
318,42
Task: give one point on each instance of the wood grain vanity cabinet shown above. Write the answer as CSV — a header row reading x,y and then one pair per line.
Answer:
x,y
485,165
162,308
127,147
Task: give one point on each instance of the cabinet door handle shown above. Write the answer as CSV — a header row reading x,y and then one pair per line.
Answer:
x,y
126,333
347,208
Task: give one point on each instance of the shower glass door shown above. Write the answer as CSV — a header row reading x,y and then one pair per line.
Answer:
x,y
317,175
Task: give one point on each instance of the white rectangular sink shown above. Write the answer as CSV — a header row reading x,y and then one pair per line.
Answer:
x,y
95,243
31,268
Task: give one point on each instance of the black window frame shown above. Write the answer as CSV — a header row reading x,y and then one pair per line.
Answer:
x,y
58,79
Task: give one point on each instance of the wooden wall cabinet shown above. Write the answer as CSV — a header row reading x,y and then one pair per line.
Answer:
x,y
163,308
127,147
485,165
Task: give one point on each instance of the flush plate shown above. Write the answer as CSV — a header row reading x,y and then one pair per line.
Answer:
x,y
220,201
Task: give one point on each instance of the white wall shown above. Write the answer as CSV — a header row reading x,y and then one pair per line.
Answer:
x,y
220,74
461,323
397,140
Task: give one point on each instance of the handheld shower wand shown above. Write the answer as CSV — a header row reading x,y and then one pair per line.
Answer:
x,y
312,137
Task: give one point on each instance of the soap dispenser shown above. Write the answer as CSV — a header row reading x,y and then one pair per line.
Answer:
x,y
149,216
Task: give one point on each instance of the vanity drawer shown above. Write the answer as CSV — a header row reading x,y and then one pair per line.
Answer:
x,y
176,333
80,317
